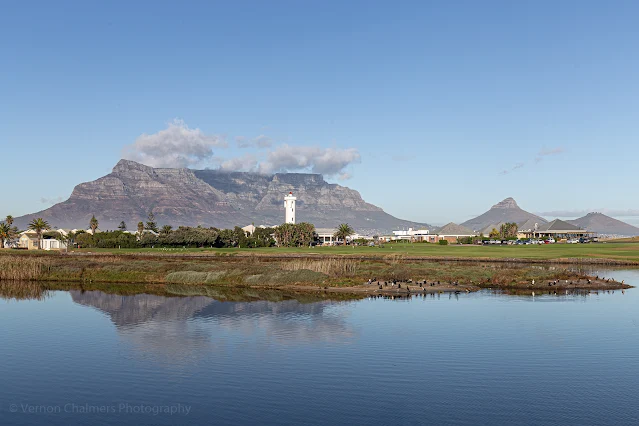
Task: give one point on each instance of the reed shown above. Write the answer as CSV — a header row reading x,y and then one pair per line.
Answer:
x,y
23,268
330,267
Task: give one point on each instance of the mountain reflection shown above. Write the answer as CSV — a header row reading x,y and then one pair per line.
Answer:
x,y
189,327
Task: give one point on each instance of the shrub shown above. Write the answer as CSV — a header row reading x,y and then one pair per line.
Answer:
x,y
443,242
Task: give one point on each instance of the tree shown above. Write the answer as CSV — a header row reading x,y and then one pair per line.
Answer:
x,y
294,235
67,239
122,226
166,230
343,231
93,224
508,230
140,229
151,224
39,225
494,233
9,220
5,230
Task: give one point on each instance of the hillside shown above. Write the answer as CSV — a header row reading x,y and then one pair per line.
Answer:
x,y
212,198
606,225
504,211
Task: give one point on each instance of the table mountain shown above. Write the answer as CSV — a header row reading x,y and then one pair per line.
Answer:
x,y
212,198
605,225
504,211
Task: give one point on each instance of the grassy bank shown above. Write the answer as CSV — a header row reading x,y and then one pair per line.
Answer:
x,y
266,272
614,252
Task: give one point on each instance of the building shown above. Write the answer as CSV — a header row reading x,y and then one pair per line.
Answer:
x,y
289,207
411,235
29,240
249,229
453,232
326,235
557,229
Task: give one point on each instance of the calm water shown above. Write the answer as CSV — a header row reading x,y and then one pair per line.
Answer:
x,y
473,359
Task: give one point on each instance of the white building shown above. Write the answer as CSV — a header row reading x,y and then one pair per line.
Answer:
x,y
289,206
411,234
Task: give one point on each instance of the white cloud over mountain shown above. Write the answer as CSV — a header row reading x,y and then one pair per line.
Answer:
x,y
180,146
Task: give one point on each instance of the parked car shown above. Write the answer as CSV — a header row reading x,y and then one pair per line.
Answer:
x,y
572,241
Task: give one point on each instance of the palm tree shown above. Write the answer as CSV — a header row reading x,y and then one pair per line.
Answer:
x,y
39,225
140,229
93,224
122,226
5,231
67,239
166,230
9,220
343,231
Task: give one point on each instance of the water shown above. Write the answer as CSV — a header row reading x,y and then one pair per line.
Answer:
x,y
478,358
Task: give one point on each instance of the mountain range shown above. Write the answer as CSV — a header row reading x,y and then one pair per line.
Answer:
x,y
508,211
212,198
227,199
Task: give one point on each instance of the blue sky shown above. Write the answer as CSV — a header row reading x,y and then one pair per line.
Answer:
x,y
432,110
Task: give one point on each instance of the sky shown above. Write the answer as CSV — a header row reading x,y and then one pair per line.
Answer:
x,y
432,110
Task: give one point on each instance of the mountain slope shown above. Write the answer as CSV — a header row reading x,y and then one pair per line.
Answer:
x,y
602,224
504,211
211,198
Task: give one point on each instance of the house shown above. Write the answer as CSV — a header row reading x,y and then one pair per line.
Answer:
x,y
559,230
326,235
28,240
452,232
249,229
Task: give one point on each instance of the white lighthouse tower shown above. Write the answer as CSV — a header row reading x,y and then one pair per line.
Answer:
x,y
289,206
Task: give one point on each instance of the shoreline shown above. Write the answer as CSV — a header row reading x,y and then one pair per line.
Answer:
x,y
307,272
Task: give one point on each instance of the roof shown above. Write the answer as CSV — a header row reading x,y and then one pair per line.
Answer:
x,y
454,229
325,231
558,225
529,225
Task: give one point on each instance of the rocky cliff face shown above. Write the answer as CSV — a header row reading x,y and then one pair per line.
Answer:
x,y
211,198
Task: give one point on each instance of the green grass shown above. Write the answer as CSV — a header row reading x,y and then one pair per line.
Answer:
x,y
616,251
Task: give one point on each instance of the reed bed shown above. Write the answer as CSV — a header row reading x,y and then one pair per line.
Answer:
x,y
23,268
330,267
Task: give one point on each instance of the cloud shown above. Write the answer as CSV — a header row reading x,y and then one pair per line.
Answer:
x,y
179,146
515,167
245,163
261,141
327,161
176,146
548,152
56,200
344,176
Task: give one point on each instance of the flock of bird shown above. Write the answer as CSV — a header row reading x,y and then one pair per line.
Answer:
x,y
422,285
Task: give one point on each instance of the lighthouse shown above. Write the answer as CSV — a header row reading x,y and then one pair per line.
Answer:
x,y
289,207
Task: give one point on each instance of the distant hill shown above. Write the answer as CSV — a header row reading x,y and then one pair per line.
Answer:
x,y
602,224
213,198
504,211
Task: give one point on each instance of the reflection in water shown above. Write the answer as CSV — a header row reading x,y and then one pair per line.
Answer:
x,y
190,327
22,291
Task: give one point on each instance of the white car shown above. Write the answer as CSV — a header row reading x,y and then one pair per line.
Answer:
x,y
572,241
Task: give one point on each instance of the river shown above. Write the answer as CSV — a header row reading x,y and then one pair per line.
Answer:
x,y
73,357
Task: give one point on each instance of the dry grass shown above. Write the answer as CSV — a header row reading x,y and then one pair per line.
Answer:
x,y
23,268
330,267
